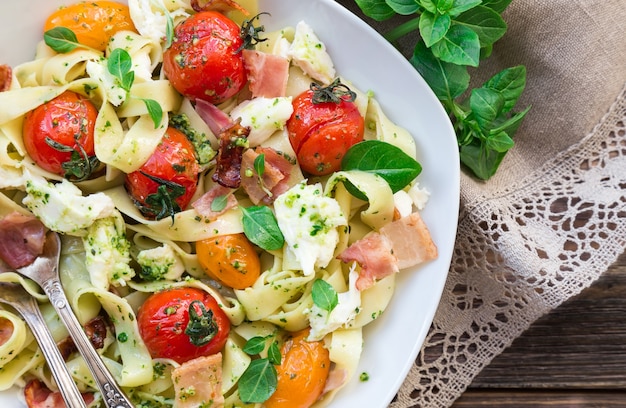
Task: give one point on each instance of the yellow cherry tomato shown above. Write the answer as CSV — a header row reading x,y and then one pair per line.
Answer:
x,y
302,373
93,22
229,259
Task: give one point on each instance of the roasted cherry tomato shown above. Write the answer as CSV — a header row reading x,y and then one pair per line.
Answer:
x,y
166,182
182,324
302,373
205,59
325,123
93,22
229,259
58,136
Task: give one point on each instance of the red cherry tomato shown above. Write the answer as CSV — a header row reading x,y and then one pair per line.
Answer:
x,y
164,324
322,133
204,60
166,182
58,136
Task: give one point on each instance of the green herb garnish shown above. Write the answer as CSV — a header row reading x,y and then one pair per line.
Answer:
x,y
261,228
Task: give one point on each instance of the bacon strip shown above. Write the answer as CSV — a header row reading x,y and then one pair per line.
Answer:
x,y
37,395
198,382
21,239
232,137
6,76
275,179
267,73
96,331
203,205
398,245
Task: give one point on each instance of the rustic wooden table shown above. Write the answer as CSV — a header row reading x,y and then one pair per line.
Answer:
x,y
574,356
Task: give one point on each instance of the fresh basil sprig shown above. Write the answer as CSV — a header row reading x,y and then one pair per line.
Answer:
x,y
324,295
259,380
261,228
450,36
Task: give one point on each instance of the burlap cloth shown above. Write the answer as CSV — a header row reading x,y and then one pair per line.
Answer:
x,y
553,219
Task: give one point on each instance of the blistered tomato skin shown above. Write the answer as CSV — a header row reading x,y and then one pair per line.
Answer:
x,y
229,259
66,122
205,61
174,166
164,317
93,22
302,373
322,133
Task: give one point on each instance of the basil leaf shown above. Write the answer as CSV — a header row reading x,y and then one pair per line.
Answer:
x,y
324,295
119,65
510,82
169,30
258,382
499,142
254,346
433,27
511,124
459,6
486,105
61,39
459,46
219,203
261,227
448,81
259,165
154,110
379,10
273,353
497,5
404,7
384,159
485,22
429,5
483,162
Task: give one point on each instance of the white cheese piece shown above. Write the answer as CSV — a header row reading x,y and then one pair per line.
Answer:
x,y
151,21
160,263
309,53
349,303
403,203
62,207
98,71
263,116
107,252
309,221
419,196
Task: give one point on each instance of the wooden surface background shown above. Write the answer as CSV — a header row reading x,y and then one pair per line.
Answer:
x,y
574,356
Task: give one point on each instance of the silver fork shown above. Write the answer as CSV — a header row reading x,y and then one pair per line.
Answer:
x,y
13,294
45,272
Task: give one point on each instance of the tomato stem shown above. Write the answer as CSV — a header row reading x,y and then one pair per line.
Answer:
x,y
201,327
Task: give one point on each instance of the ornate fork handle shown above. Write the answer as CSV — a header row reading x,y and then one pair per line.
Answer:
x,y
111,393
29,309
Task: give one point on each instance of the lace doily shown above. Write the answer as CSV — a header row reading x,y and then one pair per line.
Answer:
x,y
521,254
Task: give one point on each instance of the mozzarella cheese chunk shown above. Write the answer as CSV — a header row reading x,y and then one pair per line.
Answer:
x,y
62,207
348,305
309,221
149,18
263,116
161,263
419,196
107,252
309,53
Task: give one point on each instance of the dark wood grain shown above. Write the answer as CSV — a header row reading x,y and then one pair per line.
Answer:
x,y
574,356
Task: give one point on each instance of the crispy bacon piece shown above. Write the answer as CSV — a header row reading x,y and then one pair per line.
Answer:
x,y
222,6
6,76
267,73
96,331
203,376
398,245
21,239
6,330
37,395
275,179
232,137
203,205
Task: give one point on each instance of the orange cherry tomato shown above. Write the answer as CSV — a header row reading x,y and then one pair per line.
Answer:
x,y
229,259
59,136
93,22
302,373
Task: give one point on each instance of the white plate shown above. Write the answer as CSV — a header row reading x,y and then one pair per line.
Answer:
x,y
364,57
